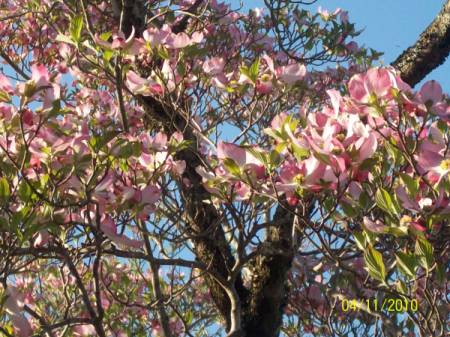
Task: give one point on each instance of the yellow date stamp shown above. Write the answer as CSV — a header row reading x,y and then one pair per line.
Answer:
x,y
399,305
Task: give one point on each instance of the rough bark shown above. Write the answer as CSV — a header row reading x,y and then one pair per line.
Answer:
x,y
264,311
430,50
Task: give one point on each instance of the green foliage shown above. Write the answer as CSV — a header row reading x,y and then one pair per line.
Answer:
x,y
75,28
375,264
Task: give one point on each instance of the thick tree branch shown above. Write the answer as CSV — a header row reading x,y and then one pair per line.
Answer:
x,y
430,50
210,245
268,294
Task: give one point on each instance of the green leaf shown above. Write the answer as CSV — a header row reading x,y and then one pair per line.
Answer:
x,y
261,156
384,201
76,25
424,251
397,231
254,70
107,55
370,237
194,51
181,68
163,53
322,157
349,210
406,263
274,157
274,134
440,274
189,317
393,152
4,96
364,200
299,152
9,328
4,225
360,240
375,264
368,163
31,227
44,180
55,109
24,191
401,287
245,71
65,39
88,45
128,150
4,190
105,36
232,167
98,142
411,184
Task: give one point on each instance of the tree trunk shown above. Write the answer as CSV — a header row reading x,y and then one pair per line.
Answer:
x,y
429,52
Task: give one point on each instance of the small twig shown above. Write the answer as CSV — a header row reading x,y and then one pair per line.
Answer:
x,y
13,65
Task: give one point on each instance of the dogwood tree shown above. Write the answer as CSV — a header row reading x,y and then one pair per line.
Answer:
x,y
183,168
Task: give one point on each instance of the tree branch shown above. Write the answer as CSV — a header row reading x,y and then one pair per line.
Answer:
x,y
430,50
264,310
205,223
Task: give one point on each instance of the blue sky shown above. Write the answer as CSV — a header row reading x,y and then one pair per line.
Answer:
x,y
389,26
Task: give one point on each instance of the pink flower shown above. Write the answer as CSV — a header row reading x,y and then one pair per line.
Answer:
x,y
291,176
178,167
291,73
355,190
323,13
242,190
5,111
357,89
431,91
159,142
40,75
374,226
150,194
376,81
84,330
130,45
314,171
292,201
156,36
141,86
214,66
182,40
14,305
336,100
241,157
405,200
177,137
110,229
5,85
41,238
170,76
270,64
278,121
264,84
366,146
170,40
432,156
